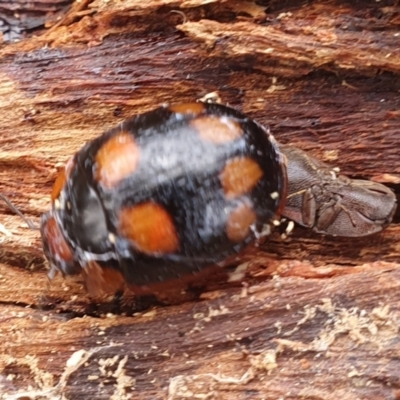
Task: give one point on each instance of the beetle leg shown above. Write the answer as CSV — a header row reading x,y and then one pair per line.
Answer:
x,y
301,207
328,213
308,208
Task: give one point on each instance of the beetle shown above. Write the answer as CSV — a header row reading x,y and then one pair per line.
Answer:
x,y
164,195
175,191
329,203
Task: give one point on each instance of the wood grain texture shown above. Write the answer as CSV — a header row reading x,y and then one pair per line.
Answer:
x,y
18,18
318,317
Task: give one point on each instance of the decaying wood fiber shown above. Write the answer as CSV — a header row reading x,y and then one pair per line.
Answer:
x,y
318,317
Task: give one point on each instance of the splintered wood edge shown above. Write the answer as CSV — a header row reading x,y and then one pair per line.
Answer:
x,y
267,337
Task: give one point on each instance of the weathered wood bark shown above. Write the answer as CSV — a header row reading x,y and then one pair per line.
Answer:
x,y
325,77
20,17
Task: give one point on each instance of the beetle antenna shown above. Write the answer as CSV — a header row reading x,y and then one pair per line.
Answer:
x,y
30,224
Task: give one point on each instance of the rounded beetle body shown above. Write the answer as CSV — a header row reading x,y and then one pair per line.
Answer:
x,y
164,194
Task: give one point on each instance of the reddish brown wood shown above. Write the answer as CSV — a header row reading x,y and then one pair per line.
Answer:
x,y
319,316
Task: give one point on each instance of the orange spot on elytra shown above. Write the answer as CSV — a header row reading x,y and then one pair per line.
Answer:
x,y
239,176
239,222
116,159
217,129
55,240
187,108
61,179
150,227
58,185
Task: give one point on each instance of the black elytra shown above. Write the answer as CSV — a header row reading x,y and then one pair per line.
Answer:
x,y
165,194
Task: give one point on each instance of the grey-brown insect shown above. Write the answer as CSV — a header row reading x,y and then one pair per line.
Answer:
x,y
332,204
